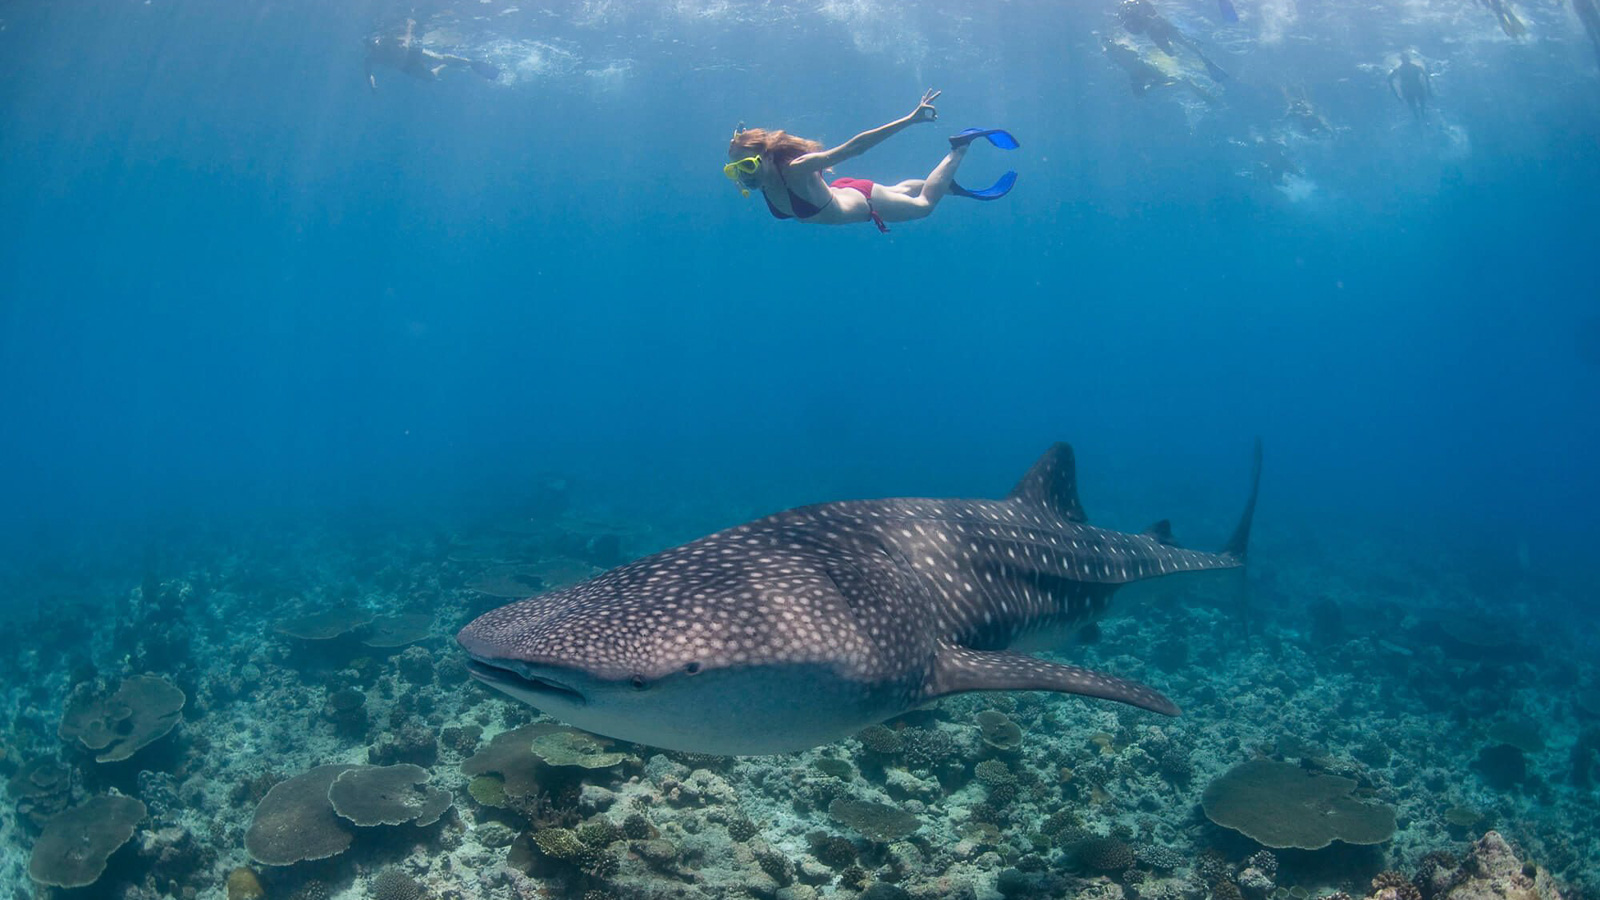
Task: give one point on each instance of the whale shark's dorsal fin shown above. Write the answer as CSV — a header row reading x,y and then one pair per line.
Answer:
x,y
1053,484
1162,532
958,669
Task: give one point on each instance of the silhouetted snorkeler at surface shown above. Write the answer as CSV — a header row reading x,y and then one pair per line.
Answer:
x,y
1273,164
787,170
1300,113
1142,74
1409,82
1507,17
1139,17
404,54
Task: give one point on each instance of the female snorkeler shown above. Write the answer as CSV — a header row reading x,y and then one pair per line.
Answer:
x,y
788,171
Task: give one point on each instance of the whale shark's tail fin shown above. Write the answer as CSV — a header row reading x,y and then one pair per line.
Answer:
x,y
1239,545
957,670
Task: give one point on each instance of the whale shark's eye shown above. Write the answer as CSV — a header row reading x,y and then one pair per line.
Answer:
x,y
638,682
693,668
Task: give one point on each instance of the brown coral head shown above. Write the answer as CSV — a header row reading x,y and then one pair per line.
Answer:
x,y
1391,885
875,821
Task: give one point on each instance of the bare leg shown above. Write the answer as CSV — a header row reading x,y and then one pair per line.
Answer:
x,y
938,182
897,206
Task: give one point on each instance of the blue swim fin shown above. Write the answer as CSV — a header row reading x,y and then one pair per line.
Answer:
x,y
992,192
997,136
1215,71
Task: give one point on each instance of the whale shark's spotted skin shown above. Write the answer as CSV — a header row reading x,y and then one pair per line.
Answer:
x,y
804,626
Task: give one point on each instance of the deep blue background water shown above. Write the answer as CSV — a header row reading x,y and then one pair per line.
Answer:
x,y
235,281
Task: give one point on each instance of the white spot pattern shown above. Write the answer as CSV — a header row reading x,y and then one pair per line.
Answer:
x,y
875,592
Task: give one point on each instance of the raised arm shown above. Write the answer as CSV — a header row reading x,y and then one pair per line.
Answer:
x,y
866,140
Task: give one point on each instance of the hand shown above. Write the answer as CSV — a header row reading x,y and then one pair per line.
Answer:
x,y
925,111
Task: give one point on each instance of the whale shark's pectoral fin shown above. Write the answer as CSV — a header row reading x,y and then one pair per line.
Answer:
x,y
957,670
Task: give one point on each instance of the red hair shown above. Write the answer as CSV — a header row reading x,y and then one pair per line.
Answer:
x,y
782,146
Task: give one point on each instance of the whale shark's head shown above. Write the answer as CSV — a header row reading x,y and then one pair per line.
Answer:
x,y
684,654
580,660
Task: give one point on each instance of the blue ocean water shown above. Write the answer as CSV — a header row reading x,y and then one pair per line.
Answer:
x,y
246,296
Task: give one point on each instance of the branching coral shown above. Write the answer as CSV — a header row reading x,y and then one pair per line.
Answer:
x,y
881,739
1102,855
393,884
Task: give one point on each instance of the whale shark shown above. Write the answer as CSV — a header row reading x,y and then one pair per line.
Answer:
x,y
805,626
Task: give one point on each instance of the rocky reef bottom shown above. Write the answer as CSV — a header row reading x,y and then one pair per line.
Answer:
x,y
284,715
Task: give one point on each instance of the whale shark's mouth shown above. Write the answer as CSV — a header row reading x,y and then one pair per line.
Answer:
x,y
522,684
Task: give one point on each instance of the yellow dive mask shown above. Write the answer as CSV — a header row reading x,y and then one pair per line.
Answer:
x,y
739,168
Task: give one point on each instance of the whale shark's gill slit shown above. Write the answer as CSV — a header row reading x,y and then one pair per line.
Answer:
x,y
493,674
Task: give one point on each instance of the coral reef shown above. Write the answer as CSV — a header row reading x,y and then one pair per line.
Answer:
x,y
568,747
387,795
1286,806
999,731
393,884
244,884
982,796
75,845
881,739
1494,871
295,821
875,821
510,756
1102,854
143,709
326,624
387,632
